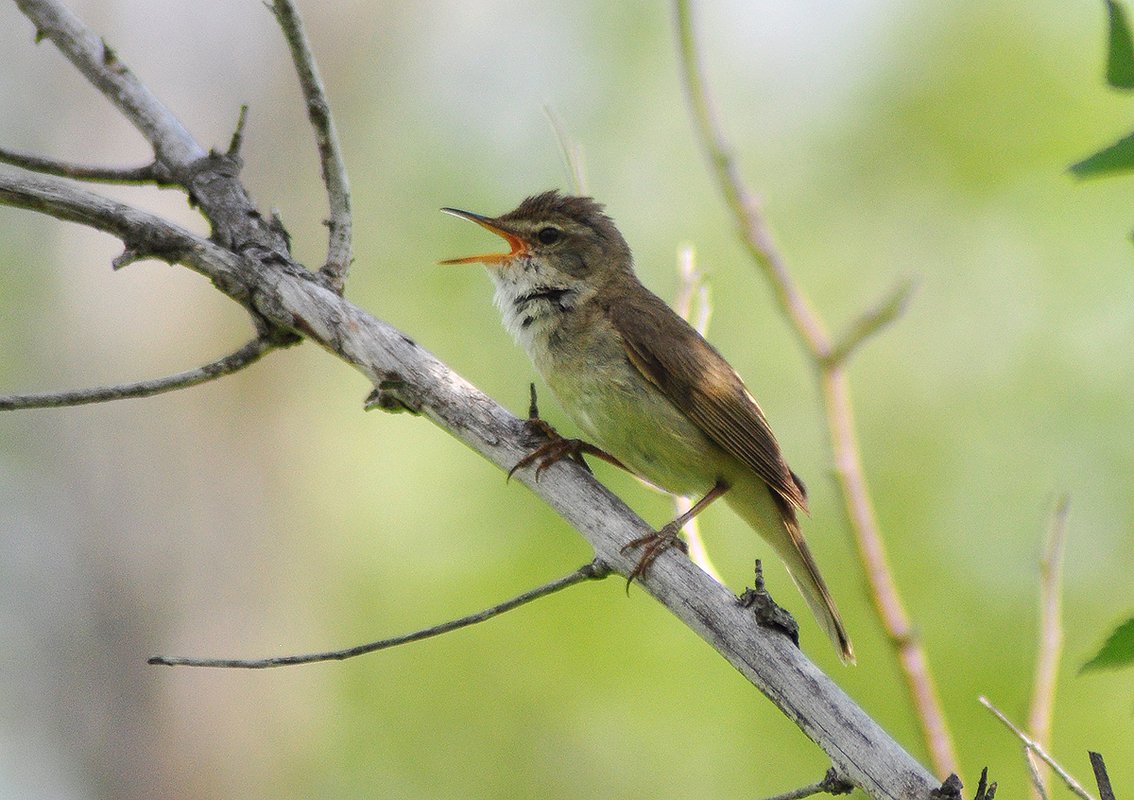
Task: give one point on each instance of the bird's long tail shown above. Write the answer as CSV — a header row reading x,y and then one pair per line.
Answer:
x,y
774,519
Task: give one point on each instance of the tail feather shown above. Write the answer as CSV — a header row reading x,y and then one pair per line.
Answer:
x,y
774,519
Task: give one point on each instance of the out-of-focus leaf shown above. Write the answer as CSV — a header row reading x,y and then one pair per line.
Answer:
x,y
1120,51
1118,650
1119,157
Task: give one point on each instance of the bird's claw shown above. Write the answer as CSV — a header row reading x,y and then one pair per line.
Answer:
x,y
653,545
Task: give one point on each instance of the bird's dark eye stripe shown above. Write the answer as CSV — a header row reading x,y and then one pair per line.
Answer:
x,y
548,235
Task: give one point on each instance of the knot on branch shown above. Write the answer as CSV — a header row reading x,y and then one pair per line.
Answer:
x,y
393,395
147,244
949,790
767,613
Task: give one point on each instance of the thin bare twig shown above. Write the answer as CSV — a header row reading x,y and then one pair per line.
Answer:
x,y
339,222
871,322
149,173
594,570
233,362
1050,645
831,784
1034,747
835,388
571,151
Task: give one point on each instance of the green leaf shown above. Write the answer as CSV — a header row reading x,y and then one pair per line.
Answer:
x,y
1118,650
1119,157
1120,53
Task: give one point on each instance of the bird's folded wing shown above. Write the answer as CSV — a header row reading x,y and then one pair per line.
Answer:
x,y
698,380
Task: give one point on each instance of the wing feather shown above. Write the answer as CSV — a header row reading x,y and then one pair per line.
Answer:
x,y
696,378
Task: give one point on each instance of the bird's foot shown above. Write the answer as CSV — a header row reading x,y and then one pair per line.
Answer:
x,y
653,545
556,447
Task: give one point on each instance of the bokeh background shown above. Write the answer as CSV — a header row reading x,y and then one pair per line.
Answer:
x,y
267,514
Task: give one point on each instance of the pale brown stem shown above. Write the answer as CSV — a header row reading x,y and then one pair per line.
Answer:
x,y
829,360
1050,642
691,285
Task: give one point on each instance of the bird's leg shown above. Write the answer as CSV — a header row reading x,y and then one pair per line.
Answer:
x,y
557,447
656,543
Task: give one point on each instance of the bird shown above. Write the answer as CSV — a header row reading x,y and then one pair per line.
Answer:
x,y
645,388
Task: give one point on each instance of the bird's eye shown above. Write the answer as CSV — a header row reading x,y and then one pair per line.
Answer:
x,y
549,235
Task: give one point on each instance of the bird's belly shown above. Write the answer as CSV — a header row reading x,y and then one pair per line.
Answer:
x,y
631,419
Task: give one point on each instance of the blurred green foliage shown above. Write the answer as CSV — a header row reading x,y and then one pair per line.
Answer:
x,y
1118,651
1118,157
267,514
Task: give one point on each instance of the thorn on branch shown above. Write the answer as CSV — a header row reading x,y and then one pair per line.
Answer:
x,y
127,257
984,789
237,140
276,224
533,402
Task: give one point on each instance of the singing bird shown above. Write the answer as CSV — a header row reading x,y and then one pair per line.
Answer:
x,y
641,383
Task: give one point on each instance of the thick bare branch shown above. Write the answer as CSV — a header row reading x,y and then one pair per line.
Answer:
x,y
829,360
226,365
143,233
339,223
248,259
287,296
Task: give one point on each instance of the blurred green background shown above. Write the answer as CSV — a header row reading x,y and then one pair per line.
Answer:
x,y
266,514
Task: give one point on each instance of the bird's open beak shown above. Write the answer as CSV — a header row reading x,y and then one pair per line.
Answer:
x,y
517,244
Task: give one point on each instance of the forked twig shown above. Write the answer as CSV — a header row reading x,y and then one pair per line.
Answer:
x,y
830,360
595,570
339,222
1034,747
